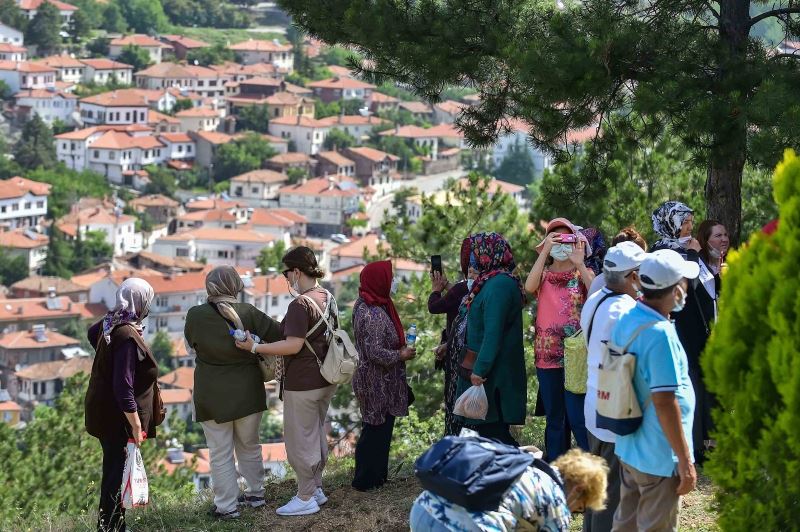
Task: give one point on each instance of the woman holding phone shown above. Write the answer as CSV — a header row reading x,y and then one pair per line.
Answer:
x,y
559,282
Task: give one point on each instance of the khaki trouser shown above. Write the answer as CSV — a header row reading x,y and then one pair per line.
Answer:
x,y
648,503
304,432
603,520
241,436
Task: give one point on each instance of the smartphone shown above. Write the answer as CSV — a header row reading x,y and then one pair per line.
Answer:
x,y
436,263
568,239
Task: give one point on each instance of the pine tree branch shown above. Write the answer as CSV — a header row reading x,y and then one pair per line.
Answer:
x,y
773,13
790,55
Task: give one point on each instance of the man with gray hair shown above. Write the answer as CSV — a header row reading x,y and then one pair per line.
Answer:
x,y
598,317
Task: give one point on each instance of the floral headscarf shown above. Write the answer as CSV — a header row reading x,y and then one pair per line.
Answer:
x,y
667,222
597,244
491,255
133,298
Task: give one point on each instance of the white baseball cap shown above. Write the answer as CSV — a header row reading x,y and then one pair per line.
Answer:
x,y
624,257
664,268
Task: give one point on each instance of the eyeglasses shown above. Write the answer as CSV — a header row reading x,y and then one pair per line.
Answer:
x,y
286,273
631,272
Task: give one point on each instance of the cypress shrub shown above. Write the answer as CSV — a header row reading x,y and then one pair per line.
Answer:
x,y
752,364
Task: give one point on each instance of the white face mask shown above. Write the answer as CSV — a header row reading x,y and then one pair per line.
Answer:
x,y
684,240
395,285
294,287
714,253
470,283
682,303
561,252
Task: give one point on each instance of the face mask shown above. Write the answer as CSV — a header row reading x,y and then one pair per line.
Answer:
x,y
561,252
470,283
684,240
395,285
682,303
714,253
294,288
639,293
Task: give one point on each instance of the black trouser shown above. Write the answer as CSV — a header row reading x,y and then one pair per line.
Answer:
x,y
497,430
372,455
603,520
111,516
702,424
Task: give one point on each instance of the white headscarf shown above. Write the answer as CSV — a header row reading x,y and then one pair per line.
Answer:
x,y
133,305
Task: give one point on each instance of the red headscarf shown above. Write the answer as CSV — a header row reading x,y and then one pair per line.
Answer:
x,y
375,290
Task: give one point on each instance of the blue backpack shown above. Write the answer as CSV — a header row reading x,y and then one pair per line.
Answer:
x,y
474,472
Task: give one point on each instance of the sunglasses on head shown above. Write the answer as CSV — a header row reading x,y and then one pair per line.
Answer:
x,y
286,273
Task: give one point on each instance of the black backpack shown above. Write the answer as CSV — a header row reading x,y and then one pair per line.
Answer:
x,y
474,472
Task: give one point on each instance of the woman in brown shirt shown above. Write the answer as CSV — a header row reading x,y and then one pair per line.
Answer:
x,y
306,394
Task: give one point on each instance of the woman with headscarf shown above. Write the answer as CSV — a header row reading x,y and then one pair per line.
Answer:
x,y
559,282
229,396
379,383
305,392
597,245
495,354
122,397
673,222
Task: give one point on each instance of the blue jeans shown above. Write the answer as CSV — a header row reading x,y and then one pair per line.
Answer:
x,y
421,521
563,411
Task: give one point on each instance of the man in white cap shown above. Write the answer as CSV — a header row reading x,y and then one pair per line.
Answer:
x,y
657,460
599,315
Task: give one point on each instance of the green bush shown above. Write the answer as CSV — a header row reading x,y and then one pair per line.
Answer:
x,y
752,365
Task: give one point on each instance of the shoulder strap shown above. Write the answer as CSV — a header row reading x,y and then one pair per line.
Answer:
x,y
229,322
636,333
591,320
329,304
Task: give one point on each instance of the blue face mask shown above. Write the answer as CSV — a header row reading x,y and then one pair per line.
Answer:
x,y
470,283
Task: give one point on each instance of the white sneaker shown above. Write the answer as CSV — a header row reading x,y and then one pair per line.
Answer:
x,y
298,506
320,497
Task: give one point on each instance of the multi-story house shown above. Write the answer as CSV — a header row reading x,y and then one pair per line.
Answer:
x,y
119,229
31,7
30,245
333,162
270,222
327,203
357,126
49,104
279,104
356,253
212,218
53,312
159,208
23,203
152,46
67,68
42,383
30,346
9,35
426,140
272,52
199,119
204,81
26,75
283,162
336,89
10,413
447,112
13,52
382,103
418,110
101,71
119,107
116,152
183,45
268,293
258,188
177,146
308,134
239,247
374,168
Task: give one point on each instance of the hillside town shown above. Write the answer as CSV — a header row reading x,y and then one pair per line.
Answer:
x,y
325,160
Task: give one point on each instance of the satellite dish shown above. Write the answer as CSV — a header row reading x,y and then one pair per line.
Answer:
x,y
364,111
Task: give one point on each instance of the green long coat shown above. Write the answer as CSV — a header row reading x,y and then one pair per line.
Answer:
x,y
227,380
494,331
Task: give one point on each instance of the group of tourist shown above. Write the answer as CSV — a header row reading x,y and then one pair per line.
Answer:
x,y
662,302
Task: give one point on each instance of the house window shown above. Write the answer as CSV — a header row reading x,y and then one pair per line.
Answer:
x,y
63,145
180,148
96,154
128,116
237,191
112,155
181,252
189,148
15,207
255,190
40,204
274,300
161,302
222,254
28,205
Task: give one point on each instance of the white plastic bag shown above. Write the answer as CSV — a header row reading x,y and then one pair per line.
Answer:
x,y
135,490
472,404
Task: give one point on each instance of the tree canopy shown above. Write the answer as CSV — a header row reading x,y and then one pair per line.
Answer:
x,y
44,30
36,148
143,16
559,67
136,56
242,155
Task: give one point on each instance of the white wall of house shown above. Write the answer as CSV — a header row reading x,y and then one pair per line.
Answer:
x,y
178,150
50,109
168,311
115,51
283,60
17,81
72,153
215,252
103,76
11,35
309,140
192,123
320,209
25,211
93,114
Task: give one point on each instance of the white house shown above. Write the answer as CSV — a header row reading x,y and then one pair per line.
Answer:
x,y
9,35
335,89
13,52
30,245
26,75
239,247
258,188
204,81
268,293
212,218
178,146
23,203
116,152
42,383
101,71
31,7
327,203
307,133
120,229
115,108
425,139
67,68
177,402
152,46
49,104
355,125
272,52
199,119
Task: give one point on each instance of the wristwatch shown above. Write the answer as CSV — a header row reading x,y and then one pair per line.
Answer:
x,y
253,349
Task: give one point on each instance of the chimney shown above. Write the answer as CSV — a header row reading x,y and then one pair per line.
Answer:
x,y
39,333
51,291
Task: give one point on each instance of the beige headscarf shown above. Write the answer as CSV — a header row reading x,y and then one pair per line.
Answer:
x,y
133,300
223,285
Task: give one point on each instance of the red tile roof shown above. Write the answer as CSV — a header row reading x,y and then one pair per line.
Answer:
x,y
416,107
60,61
175,138
21,239
379,97
335,157
353,120
214,137
410,132
105,64
198,464
144,41
198,112
25,66
223,235
10,406
212,203
265,217
290,215
450,107
180,378
164,283
261,176
495,185
16,187
176,396
30,5
44,94
321,186
260,46
59,369
273,285
27,340
290,158
372,154
121,98
9,48
154,117
153,200
214,215
117,140
340,83
186,42
175,70
301,121
356,248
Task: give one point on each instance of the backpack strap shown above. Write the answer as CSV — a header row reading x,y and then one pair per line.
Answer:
x,y
543,466
330,304
636,333
591,320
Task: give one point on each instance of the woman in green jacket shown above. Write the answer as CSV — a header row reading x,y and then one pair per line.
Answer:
x,y
229,396
495,356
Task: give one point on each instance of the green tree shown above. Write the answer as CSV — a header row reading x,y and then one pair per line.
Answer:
x,y
5,91
253,118
517,167
400,198
324,110
270,257
144,16
77,328
135,56
113,19
212,55
271,429
44,30
296,174
161,346
69,186
12,15
162,181
338,140
89,249
8,166
352,107
242,155
80,25
752,367
59,255
691,65
12,268
36,148
180,105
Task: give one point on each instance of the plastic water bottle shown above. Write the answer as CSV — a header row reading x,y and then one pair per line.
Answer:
x,y
241,336
411,336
